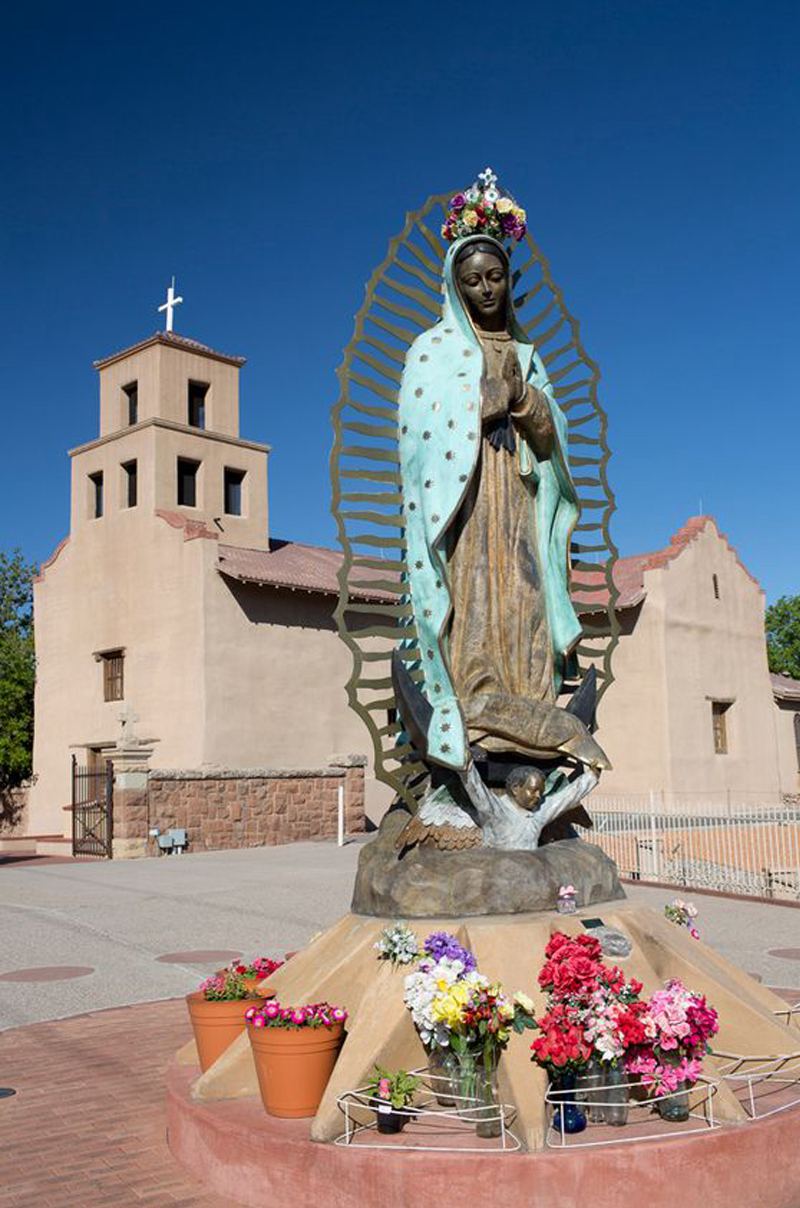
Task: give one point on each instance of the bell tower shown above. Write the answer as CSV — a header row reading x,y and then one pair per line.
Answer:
x,y
169,443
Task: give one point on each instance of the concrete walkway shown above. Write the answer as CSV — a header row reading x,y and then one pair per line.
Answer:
x,y
111,921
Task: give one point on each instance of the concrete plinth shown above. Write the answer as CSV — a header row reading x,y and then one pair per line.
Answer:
x,y
341,966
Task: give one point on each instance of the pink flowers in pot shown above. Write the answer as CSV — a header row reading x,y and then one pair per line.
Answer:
x,y
316,1015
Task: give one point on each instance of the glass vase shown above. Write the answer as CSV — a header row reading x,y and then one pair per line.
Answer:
x,y
589,1091
440,1067
474,1088
567,1117
675,1107
615,1095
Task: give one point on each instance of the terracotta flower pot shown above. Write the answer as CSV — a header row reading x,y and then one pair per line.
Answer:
x,y
216,1024
293,1067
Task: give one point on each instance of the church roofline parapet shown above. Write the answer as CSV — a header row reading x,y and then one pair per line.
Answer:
x,y
170,339
157,421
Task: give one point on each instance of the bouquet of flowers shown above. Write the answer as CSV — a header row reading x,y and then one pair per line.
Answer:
x,y
684,914
674,1037
317,1015
445,962
480,1017
483,210
398,944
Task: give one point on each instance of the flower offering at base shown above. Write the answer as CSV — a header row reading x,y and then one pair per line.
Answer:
x,y
595,1015
398,944
684,915
294,1050
567,900
456,1008
392,1096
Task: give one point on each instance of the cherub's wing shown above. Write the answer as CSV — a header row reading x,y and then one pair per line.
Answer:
x,y
403,298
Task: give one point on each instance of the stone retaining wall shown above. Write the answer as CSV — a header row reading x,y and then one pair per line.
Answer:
x,y
234,807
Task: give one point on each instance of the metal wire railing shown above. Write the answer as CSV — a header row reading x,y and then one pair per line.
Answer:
x,y
747,848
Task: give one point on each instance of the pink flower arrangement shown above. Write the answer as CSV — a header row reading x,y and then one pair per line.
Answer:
x,y
316,1015
678,1027
228,986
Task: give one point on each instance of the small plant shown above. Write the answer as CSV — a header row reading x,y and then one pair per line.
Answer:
x,y
398,944
228,986
316,1015
683,914
260,967
397,1089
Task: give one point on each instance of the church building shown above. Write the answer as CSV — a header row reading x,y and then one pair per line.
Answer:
x,y
170,619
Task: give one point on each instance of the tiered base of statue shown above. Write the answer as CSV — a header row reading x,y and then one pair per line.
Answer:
x,y
218,1130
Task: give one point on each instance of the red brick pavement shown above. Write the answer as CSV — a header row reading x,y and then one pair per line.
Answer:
x,y
87,1125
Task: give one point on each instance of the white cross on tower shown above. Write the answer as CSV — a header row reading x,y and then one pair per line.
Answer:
x,y
170,305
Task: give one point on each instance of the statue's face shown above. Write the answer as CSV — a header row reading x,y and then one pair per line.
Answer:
x,y
483,284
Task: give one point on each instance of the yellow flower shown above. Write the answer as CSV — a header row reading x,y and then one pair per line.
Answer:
x,y
520,214
470,218
523,1001
506,1011
504,205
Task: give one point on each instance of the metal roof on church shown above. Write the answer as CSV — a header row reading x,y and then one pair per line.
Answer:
x,y
172,340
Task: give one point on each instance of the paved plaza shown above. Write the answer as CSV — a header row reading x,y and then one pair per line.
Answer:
x,y
85,941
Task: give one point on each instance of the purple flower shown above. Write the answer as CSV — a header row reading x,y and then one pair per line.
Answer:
x,y
458,202
440,945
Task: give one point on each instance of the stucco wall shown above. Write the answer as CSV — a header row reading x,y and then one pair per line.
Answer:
x,y
784,716
163,376
128,581
684,647
276,672
156,447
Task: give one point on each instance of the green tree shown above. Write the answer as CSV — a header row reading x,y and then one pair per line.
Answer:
x,y
783,636
17,668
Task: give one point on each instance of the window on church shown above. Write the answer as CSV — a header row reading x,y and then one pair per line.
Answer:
x,y
96,494
719,722
234,481
130,483
197,404
187,482
131,391
113,679
715,582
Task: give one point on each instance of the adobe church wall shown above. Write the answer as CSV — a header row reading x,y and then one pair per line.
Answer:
x,y
698,638
276,675
784,715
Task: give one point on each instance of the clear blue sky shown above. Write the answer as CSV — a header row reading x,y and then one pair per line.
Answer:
x,y
266,153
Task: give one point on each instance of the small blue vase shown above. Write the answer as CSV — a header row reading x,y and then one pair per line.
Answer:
x,y
567,1117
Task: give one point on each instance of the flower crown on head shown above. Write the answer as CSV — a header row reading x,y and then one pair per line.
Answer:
x,y
483,210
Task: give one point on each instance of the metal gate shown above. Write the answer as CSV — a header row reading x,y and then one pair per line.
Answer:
x,y
92,809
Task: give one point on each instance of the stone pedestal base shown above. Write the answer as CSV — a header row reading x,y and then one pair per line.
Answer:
x,y
341,966
426,882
